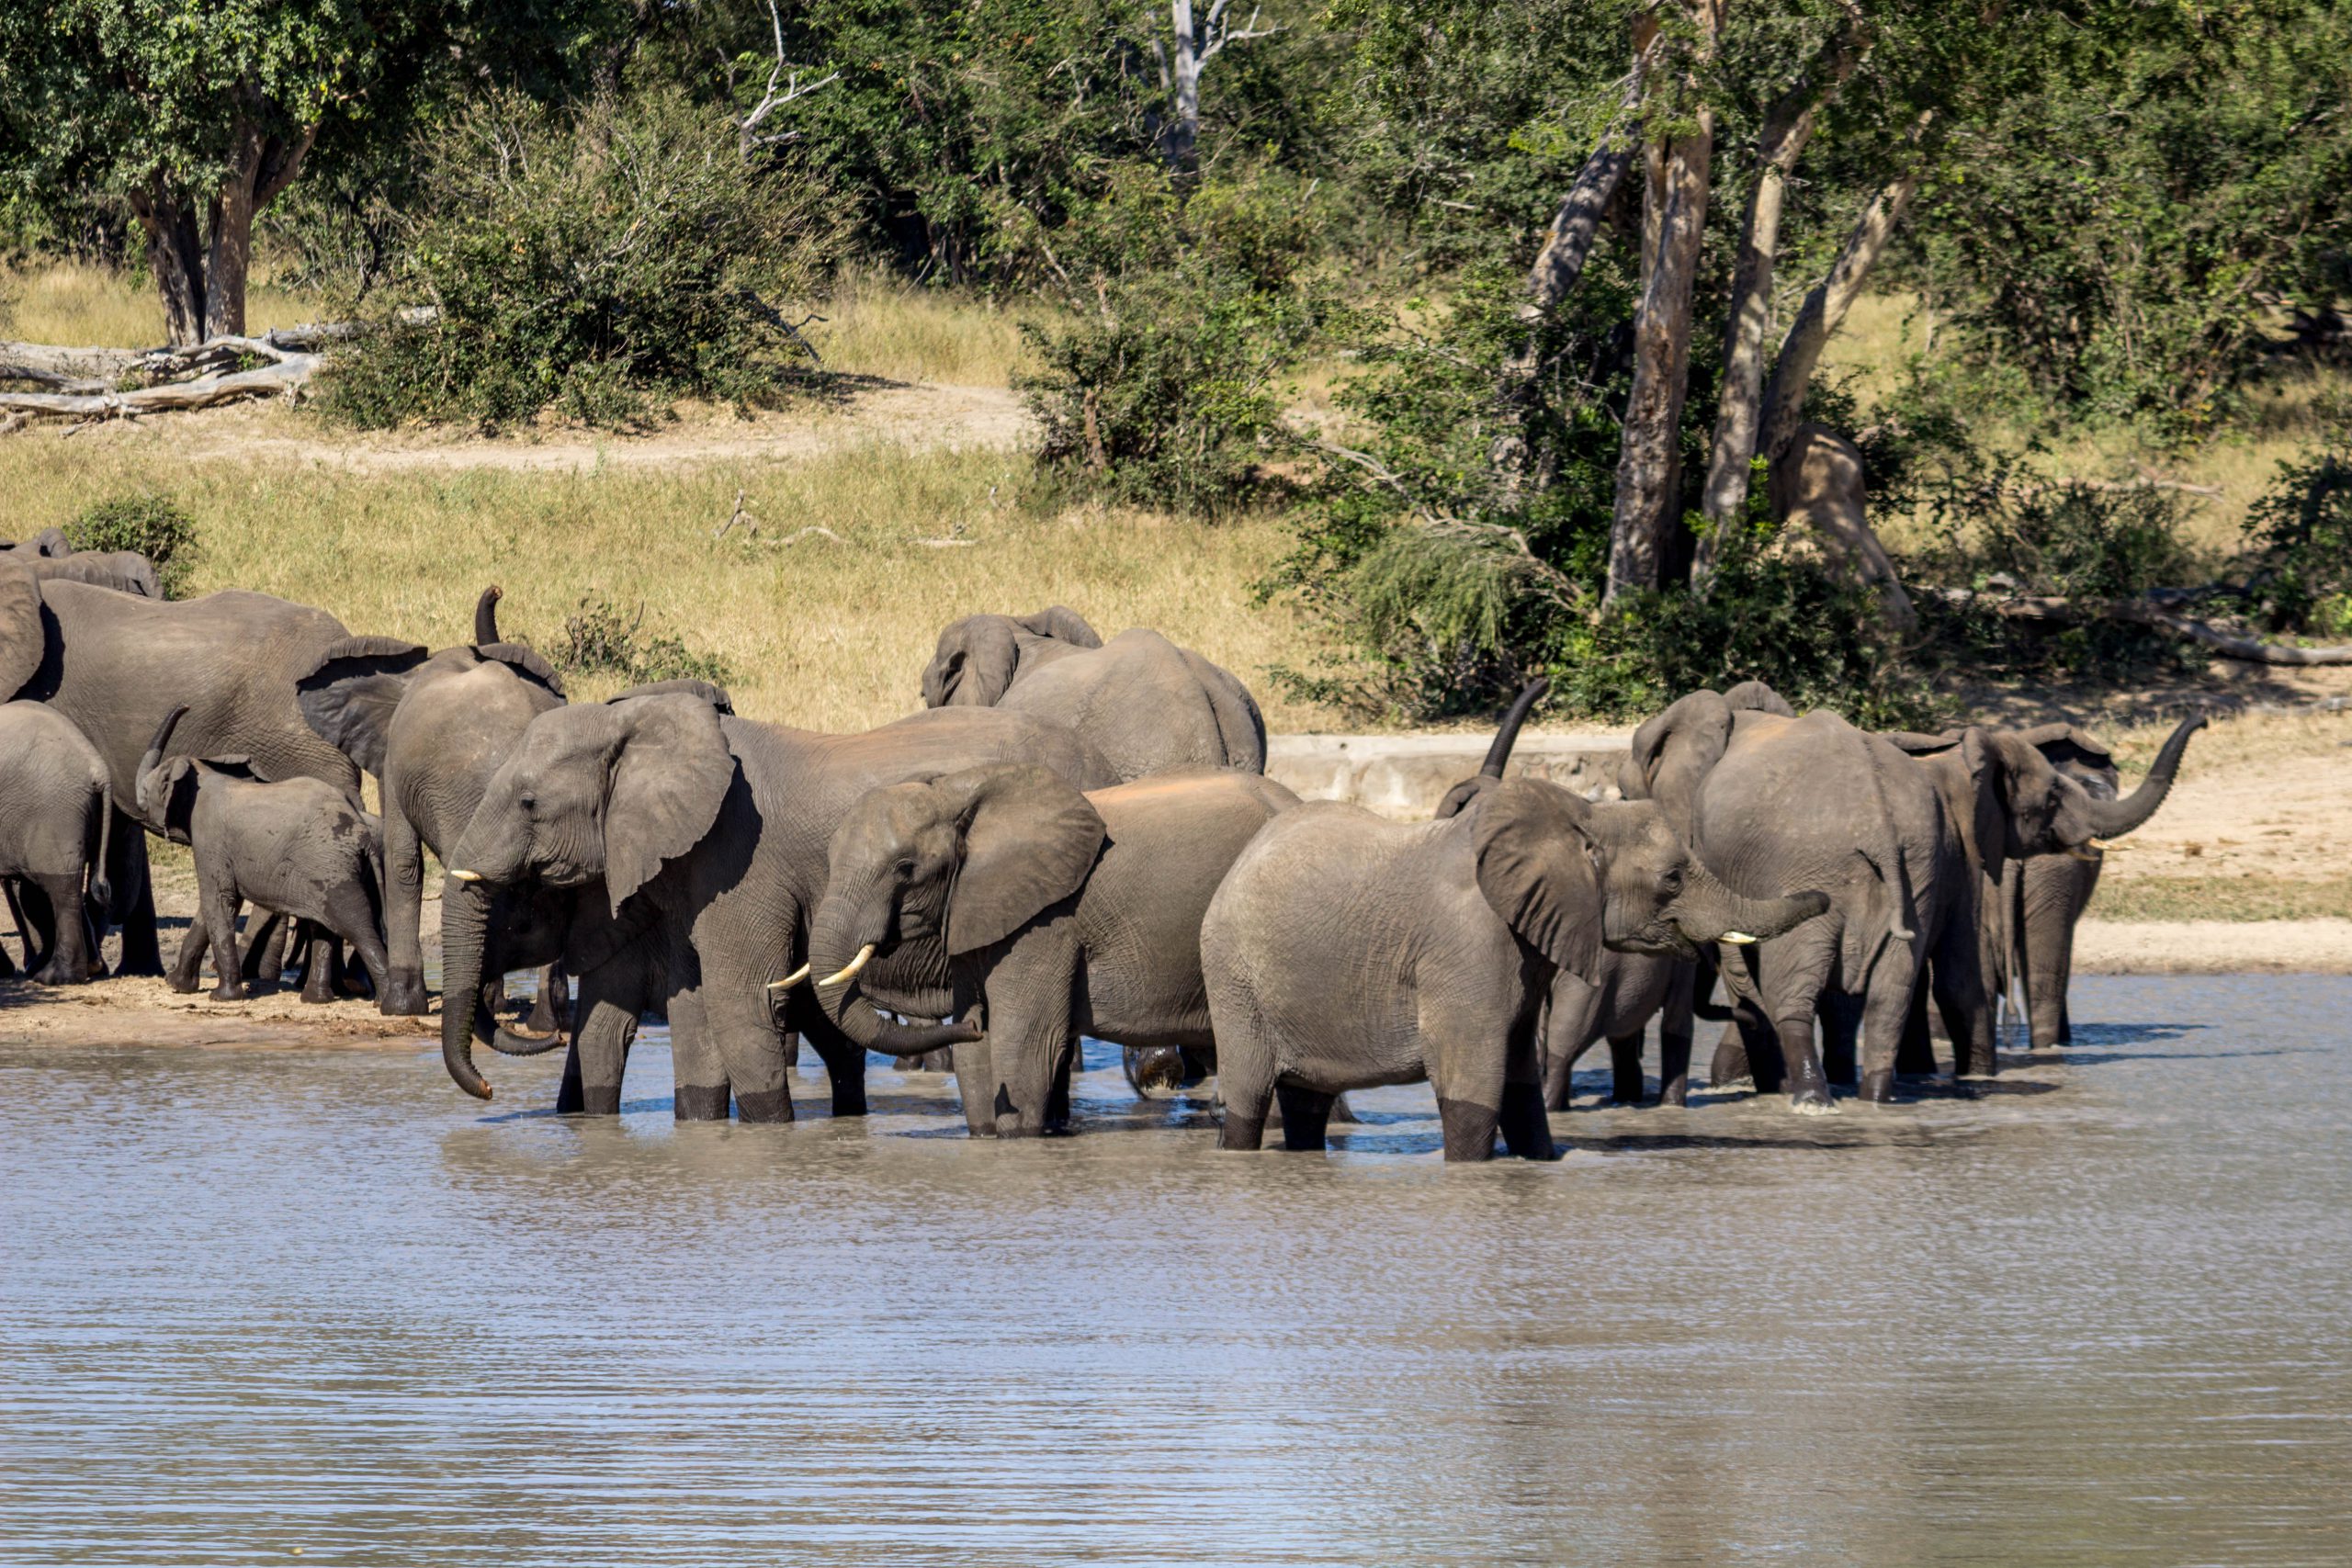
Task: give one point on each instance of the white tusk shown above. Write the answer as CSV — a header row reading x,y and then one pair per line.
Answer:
x,y
466,875
1738,938
2098,843
864,956
790,980
2078,852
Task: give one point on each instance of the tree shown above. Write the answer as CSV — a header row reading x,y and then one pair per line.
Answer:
x,y
1197,41
200,113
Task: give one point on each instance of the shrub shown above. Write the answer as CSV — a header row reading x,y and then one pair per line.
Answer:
x,y
2302,530
154,526
1161,388
599,641
599,266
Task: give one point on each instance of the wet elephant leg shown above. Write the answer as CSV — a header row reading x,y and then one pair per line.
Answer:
x,y
1306,1117
1842,1030
1808,1087
188,969
265,944
976,1085
1676,1024
324,958
403,994
351,917
552,1007
1569,1022
221,902
1915,1057
1520,1117
1244,1083
1626,1084
610,1004
1884,1011
844,1058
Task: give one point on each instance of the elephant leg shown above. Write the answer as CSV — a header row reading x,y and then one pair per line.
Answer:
x,y
701,1090
1885,1008
553,1005
1468,1128
1915,1057
67,961
135,893
844,1058
1675,1027
1567,1025
1842,1030
1244,1083
264,963
1956,979
401,992
611,1001
221,902
1072,1062
1306,1117
1808,1087
351,918
974,1084
188,969
36,923
1520,1116
1625,1081
16,918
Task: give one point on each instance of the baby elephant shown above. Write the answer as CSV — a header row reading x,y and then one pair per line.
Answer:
x,y
1062,914
55,816
1345,950
300,846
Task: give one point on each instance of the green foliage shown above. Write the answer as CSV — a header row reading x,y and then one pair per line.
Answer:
x,y
598,265
154,526
1162,388
598,641
2301,528
2112,230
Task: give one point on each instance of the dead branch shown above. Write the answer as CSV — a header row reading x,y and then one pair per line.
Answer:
x,y
2147,610
785,88
738,516
818,529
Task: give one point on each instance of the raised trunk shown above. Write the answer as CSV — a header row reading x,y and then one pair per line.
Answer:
x,y
2111,817
1648,477
486,616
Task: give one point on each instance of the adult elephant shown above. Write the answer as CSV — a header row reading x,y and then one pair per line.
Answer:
x,y
692,850
1144,703
2030,810
116,664
432,728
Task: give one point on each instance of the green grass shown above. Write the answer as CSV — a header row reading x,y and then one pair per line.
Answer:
x,y
2153,899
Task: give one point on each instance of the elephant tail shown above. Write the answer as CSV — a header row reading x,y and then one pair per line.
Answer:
x,y
101,889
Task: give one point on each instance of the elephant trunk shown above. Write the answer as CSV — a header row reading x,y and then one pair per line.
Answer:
x,y
1709,912
152,759
486,616
835,941
2110,819
465,922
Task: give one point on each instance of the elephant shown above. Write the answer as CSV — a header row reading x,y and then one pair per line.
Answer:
x,y
300,846
431,728
1144,703
1062,914
125,571
2032,808
50,544
692,850
1768,801
113,663
1344,950
55,818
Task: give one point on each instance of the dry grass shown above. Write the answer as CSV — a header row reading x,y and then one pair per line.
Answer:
x,y
878,325
1885,332
90,307
829,634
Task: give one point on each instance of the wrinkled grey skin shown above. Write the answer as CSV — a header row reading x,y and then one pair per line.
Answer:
x,y
125,571
1771,802
115,663
1144,703
432,730
54,818
50,544
1061,914
2026,805
306,848
1344,950
692,849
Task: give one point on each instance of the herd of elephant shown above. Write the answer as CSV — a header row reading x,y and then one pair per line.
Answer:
x,y
1075,837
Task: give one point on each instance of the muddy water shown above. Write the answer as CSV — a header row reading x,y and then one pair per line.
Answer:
x,y
256,1302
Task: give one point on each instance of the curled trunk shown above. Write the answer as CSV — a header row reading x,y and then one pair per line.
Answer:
x,y
831,945
2110,819
465,922
1709,912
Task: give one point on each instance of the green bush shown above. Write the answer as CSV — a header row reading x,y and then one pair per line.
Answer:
x,y
599,640
154,526
2303,532
1162,388
599,266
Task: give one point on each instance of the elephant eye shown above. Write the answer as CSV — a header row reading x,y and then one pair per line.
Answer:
x,y
529,803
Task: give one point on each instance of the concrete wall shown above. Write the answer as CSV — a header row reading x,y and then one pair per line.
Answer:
x,y
1405,776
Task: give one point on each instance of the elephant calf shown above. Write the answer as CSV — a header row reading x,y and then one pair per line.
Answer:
x,y
54,823
1064,914
1344,950
300,846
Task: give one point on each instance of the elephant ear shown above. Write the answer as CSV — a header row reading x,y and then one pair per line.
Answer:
x,y
348,696
1063,624
669,779
1673,752
1539,867
1919,744
1030,840
1755,696
2062,742
22,640
974,664
526,661
702,691
1464,795
50,544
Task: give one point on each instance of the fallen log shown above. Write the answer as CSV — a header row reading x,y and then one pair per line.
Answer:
x,y
289,370
2147,610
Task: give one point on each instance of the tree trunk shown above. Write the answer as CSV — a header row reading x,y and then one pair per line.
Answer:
x,y
1825,311
202,275
176,257
1184,136
1674,223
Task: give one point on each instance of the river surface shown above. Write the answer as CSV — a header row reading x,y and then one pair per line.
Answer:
x,y
256,1303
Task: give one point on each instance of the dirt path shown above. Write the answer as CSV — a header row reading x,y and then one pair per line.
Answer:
x,y
855,412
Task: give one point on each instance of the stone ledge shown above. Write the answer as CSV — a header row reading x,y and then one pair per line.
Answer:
x,y
1404,776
